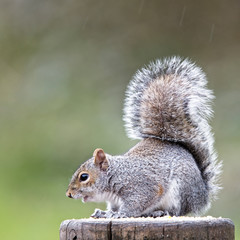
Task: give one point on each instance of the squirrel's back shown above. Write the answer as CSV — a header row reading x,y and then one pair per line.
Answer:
x,y
168,100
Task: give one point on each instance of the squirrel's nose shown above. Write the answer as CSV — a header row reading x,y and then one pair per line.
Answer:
x,y
68,194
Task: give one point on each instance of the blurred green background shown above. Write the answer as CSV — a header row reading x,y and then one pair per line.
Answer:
x,y
64,68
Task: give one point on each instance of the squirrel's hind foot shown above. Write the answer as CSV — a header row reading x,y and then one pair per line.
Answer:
x,y
158,213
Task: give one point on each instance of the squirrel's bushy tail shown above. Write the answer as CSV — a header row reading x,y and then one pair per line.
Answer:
x,y
169,100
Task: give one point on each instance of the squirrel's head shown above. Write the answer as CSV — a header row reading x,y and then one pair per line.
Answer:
x,y
86,180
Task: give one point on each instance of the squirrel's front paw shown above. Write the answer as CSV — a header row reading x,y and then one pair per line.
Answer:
x,y
98,213
112,214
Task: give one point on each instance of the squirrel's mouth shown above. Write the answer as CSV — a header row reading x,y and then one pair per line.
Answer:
x,y
85,199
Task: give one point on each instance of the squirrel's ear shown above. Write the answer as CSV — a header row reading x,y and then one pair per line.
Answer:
x,y
100,159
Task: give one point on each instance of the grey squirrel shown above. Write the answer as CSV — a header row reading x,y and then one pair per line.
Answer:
x,y
173,169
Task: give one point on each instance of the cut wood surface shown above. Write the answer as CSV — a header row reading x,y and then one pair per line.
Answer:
x,y
148,228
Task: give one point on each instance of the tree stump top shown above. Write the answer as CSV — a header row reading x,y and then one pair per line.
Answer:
x,y
148,228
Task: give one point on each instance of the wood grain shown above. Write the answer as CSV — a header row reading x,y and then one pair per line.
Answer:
x,y
148,228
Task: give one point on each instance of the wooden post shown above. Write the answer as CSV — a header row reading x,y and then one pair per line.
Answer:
x,y
148,228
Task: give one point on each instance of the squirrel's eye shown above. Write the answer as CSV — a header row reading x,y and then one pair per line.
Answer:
x,y
83,177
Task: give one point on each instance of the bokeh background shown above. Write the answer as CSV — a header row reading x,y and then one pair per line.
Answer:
x,y
64,68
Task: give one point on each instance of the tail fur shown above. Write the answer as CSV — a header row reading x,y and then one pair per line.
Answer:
x,y
168,100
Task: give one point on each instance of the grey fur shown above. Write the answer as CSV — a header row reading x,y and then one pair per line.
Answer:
x,y
185,110
173,169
